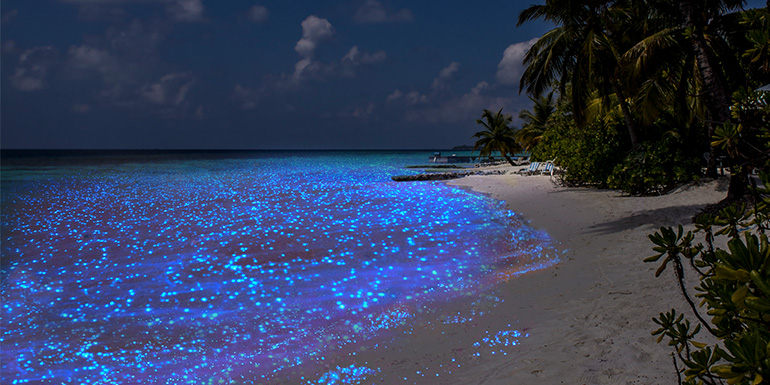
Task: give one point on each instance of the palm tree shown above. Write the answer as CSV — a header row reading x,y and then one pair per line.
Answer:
x,y
691,50
535,121
582,51
497,136
716,94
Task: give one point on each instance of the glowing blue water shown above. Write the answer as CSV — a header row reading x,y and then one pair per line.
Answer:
x,y
220,270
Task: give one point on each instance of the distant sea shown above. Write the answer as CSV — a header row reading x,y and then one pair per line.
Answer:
x,y
191,267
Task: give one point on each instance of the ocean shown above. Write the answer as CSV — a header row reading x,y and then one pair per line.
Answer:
x,y
234,267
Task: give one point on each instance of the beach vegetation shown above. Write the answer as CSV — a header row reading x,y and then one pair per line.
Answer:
x,y
675,84
497,135
732,300
587,154
655,167
535,122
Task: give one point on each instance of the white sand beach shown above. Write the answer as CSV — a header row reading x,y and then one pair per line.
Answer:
x,y
590,315
588,319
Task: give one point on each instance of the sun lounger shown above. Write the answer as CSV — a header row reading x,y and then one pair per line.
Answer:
x,y
548,169
532,169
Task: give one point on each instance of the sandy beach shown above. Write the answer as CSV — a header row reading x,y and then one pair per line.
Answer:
x,y
591,318
585,321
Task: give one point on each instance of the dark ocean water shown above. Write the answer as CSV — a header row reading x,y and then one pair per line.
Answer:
x,y
232,267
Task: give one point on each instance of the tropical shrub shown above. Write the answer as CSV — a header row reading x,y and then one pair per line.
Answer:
x,y
654,168
587,154
734,291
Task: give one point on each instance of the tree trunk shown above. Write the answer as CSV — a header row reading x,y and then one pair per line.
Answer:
x,y
508,158
714,90
715,93
633,133
711,166
739,181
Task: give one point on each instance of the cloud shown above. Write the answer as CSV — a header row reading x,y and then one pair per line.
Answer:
x,y
179,10
372,11
510,68
258,14
315,30
88,58
355,58
170,90
409,98
445,74
186,10
363,112
32,70
124,60
466,107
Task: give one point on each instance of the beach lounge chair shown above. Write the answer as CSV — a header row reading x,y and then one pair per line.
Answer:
x,y
548,169
532,169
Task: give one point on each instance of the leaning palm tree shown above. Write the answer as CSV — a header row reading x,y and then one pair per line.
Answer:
x,y
535,121
497,136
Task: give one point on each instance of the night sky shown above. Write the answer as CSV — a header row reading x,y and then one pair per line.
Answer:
x,y
358,74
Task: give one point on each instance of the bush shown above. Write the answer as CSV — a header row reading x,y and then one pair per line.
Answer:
x,y
586,154
734,287
654,168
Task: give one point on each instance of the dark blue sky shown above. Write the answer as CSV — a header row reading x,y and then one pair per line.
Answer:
x,y
370,74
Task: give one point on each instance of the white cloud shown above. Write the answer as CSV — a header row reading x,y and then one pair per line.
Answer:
x,y
315,30
171,89
180,10
363,112
114,67
409,98
309,68
124,60
258,14
511,65
355,58
445,74
186,10
32,70
89,58
449,70
372,11
465,108
395,95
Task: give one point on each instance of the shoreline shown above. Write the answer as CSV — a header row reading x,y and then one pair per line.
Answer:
x,y
590,315
585,320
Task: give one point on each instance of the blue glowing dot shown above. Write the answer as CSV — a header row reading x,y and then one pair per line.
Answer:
x,y
202,271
